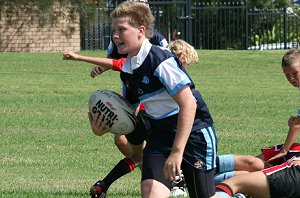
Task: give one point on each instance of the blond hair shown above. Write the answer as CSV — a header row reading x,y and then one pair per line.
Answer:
x,y
184,50
137,14
291,58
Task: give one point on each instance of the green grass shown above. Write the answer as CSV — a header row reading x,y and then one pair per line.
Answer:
x,y
47,147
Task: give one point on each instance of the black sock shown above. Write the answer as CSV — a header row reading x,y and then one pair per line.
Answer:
x,y
222,187
122,168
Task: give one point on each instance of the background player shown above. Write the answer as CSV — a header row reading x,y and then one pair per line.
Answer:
x,y
282,180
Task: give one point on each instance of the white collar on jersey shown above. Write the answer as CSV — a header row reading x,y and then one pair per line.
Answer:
x,y
136,61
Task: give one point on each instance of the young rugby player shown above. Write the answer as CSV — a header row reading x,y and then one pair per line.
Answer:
x,y
153,71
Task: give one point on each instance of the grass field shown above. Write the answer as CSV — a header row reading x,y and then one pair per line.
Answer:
x,y
48,150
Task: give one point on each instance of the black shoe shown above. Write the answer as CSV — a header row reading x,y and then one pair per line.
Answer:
x,y
98,190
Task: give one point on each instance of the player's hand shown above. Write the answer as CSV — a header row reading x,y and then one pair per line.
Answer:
x,y
172,166
98,124
279,155
98,70
68,55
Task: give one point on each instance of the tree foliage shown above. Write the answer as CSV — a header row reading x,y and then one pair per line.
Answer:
x,y
268,4
46,11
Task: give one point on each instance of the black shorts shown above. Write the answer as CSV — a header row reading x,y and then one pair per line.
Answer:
x,y
199,158
199,184
284,180
200,150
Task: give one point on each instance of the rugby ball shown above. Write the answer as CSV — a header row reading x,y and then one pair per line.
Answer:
x,y
117,112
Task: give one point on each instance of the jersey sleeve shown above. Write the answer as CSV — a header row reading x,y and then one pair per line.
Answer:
x,y
269,152
158,39
171,76
118,63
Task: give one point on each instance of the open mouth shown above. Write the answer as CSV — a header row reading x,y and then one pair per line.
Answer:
x,y
120,46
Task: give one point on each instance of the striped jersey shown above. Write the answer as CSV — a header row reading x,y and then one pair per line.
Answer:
x,y
153,77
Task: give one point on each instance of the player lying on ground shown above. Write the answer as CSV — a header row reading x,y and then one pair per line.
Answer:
x,y
232,165
276,182
291,68
281,168
281,180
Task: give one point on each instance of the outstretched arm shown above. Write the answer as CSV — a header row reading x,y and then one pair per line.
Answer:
x,y
105,63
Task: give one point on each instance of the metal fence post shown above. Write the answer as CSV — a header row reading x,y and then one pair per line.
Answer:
x,y
246,25
189,22
216,25
285,27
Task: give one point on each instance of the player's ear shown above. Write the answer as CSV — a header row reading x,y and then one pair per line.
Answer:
x,y
141,31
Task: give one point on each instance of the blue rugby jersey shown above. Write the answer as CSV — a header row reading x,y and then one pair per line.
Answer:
x,y
203,117
157,39
153,77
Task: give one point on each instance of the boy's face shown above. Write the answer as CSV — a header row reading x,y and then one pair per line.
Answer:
x,y
126,37
292,74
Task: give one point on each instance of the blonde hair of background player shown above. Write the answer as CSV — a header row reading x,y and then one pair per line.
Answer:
x,y
184,51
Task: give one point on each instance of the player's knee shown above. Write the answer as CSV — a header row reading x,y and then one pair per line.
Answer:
x,y
255,163
146,188
153,188
249,163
